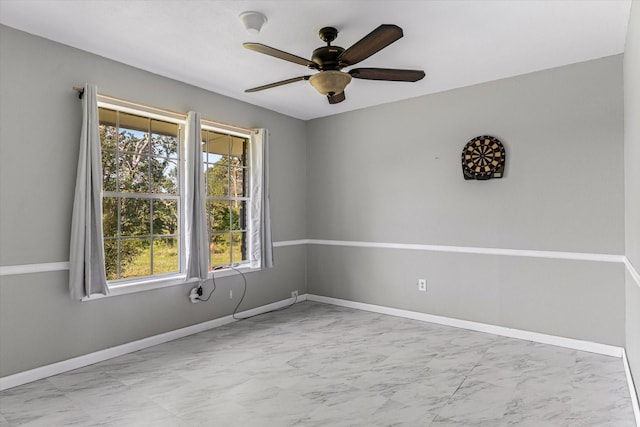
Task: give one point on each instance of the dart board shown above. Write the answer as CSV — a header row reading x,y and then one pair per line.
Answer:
x,y
483,158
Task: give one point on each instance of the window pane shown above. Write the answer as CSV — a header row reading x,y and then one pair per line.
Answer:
x,y
137,125
164,175
133,141
238,213
109,171
110,216
209,207
237,146
135,257
108,135
134,173
211,159
217,179
238,248
134,132
218,214
108,117
135,216
165,255
236,188
165,216
164,139
111,258
217,143
219,249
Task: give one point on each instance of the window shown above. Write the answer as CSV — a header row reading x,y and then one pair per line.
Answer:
x,y
141,195
225,160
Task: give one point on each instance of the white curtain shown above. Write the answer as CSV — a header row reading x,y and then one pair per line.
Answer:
x,y
87,274
260,243
196,234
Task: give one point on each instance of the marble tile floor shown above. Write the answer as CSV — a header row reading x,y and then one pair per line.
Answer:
x,y
321,365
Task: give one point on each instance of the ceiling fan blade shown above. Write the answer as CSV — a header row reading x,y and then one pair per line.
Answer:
x,y
387,74
276,84
373,42
261,48
336,98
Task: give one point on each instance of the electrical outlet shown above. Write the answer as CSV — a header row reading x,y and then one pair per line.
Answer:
x,y
294,294
422,285
194,296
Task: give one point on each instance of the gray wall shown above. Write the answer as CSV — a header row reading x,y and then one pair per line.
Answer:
x,y
392,174
384,174
632,186
40,116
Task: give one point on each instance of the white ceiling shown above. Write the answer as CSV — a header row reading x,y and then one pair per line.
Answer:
x,y
457,42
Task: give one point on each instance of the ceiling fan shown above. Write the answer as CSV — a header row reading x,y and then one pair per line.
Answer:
x,y
330,60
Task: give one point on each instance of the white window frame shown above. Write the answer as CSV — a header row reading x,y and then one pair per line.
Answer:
x,y
140,284
113,284
246,197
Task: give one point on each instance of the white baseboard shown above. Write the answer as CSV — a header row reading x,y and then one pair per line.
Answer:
x,y
604,349
89,359
632,389
99,356
591,347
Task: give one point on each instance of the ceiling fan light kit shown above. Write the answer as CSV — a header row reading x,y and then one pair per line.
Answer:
x,y
330,60
330,82
252,21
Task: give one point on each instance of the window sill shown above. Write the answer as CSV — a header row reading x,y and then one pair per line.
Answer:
x,y
164,282
232,271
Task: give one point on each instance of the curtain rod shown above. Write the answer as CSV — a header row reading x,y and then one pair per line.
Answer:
x,y
80,91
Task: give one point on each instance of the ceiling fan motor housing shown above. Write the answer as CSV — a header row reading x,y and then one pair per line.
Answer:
x,y
327,57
